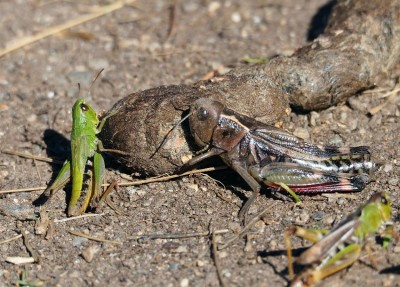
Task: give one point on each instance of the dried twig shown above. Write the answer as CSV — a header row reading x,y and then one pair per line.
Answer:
x,y
23,189
77,217
390,97
11,239
132,183
94,238
216,261
172,22
59,28
179,235
31,156
339,195
248,226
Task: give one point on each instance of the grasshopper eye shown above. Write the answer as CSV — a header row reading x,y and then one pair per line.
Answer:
x,y
84,107
202,114
384,201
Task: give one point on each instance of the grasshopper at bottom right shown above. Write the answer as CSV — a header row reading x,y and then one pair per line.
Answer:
x,y
340,247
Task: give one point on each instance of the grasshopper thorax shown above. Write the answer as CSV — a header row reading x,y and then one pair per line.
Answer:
x,y
204,117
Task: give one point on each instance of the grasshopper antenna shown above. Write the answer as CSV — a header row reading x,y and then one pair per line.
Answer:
x,y
79,89
95,79
164,141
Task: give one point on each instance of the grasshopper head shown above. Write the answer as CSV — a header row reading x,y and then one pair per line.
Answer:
x,y
383,201
204,117
83,114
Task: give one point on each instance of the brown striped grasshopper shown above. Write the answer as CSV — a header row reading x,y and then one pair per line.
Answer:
x,y
263,153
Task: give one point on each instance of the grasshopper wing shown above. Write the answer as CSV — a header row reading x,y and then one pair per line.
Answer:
x,y
281,143
329,243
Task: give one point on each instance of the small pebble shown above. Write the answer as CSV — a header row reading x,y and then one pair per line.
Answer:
x,y
182,249
388,168
51,94
302,133
173,266
201,263
314,119
226,273
184,282
89,253
213,7
32,118
341,201
319,215
335,140
79,241
302,218
358,105
236,18
222,254
394,180
328,220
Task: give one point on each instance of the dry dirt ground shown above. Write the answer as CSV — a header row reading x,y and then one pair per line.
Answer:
x,y
38,86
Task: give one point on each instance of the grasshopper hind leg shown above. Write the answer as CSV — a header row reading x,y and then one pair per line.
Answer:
x,y
343,259
61,181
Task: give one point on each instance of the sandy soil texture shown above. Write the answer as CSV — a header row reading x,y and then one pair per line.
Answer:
x,y
38,86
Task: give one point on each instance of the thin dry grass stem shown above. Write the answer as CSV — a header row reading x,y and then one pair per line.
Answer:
x,y
216,261
390,97
172,21
132,183
37,170
23,189
11,239
169,177
179,235
79,234
25,41
77,217
339,195
31,156
248,226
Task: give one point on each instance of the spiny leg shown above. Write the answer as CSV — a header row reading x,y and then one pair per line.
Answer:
x,y
371,256
311,235
340,261
90,192
254,185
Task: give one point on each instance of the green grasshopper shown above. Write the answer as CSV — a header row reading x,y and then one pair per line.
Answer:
x,y
340,247
85,147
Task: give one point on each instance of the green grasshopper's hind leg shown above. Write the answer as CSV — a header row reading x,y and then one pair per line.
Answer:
x,y
61,180
311,235
98,175
340,261
93,192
